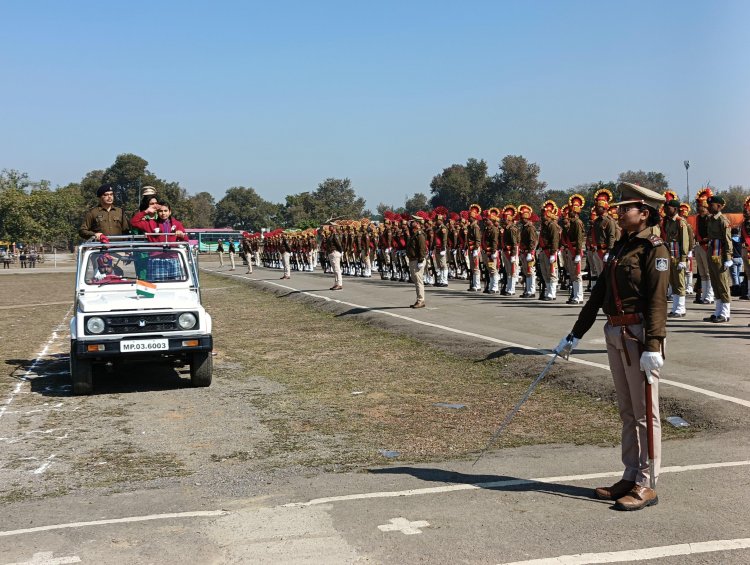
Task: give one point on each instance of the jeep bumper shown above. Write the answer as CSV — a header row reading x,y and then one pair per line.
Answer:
x,y
177,346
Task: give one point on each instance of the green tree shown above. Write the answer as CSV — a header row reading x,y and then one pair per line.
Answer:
x,y
459,186
243,208
335,198
735,198
653,180
517,182
416,203
202,211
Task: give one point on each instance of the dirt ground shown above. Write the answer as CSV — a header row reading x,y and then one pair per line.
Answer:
x,y
296,390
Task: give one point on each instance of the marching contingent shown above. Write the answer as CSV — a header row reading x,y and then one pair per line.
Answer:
x,y
515,252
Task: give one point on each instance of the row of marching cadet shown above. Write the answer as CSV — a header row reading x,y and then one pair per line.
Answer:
x,y
514,251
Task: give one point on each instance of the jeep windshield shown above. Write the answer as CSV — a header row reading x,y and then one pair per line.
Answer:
x,y
125,266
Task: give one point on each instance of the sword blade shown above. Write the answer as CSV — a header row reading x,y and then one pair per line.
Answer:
x,y
516,408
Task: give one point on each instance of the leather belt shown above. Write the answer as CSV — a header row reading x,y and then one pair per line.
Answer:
x,y
625,319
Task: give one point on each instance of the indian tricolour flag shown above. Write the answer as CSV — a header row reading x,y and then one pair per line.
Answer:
x,y
145,289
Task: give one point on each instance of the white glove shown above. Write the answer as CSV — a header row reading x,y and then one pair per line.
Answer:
x,y
577,259
493,256
420,266
606,257
552,259
388,250
566,346
513,258
529,258
728,264
681,266
651,361
690,254
442,253
475,253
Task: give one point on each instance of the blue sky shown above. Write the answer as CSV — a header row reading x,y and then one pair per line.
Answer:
x,y
281,95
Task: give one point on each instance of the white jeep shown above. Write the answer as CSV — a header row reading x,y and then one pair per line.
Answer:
x,y
136,300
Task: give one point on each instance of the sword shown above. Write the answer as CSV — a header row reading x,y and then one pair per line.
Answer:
x,y
517,407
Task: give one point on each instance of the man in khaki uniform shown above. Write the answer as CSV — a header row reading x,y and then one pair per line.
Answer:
x,y
511,240
106,218
490,239
719,235
416,252
335,249
527,250
576,245
604,230
700,251
440,247
684,213
677,240
549,245
474,238
632,293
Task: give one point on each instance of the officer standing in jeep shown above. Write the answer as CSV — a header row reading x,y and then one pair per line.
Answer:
x,y
106,218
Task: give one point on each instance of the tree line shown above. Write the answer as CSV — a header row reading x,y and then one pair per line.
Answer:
x,y
33,212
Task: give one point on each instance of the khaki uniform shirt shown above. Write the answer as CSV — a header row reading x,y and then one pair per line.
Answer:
x,y
605,232
333,243
101,220
491,237
637,272
719,230
474,236
416,246
511,237
549,236
576,234
677,237
529,237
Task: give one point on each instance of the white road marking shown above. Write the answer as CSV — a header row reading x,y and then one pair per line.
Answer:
x,y
45,558
44,466
196,514
692,388
505,483
641,554
31,370
404,526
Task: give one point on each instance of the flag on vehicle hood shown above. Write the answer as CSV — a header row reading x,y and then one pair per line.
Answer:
x,y
145,289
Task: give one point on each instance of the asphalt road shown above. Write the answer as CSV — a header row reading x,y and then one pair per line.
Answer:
x,y
515,505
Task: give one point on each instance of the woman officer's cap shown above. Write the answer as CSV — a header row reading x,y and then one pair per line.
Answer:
x,y
633,194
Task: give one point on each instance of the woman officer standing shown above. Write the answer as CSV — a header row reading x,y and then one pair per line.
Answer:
x,y
632,293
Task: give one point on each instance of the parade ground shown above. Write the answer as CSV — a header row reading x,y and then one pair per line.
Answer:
x,y
345,427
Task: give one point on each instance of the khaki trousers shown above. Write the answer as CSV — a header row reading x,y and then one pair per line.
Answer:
x,y
573,268
417,275
719,278
701,258
676,278
630,384
286,264
335,259
594,262
548,270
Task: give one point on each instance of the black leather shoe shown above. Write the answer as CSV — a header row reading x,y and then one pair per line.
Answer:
x,y
711,318
675,315
720,319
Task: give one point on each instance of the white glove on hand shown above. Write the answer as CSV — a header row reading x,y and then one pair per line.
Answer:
x,y
681,266
475,253
690,254
493,256
552,259
606,257
388,250
651,361
529,258
577,259
513,259
728,264
420,266
442,253
566,346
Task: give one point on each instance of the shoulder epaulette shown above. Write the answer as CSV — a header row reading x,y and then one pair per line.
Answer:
x,y
655,240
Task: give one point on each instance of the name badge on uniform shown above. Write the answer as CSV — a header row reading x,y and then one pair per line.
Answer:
x,y
662,265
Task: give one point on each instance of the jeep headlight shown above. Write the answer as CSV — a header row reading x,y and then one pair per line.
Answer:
x,y
187,320
95,325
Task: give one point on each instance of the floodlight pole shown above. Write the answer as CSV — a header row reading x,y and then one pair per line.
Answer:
x,y
687,179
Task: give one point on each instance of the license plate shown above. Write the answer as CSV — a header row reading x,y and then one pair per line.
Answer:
x,y
138,345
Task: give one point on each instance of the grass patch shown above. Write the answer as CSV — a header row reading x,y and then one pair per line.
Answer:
x,y
122,462
321,360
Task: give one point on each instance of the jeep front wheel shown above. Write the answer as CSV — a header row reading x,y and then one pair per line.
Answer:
x,y
81,375
201,367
